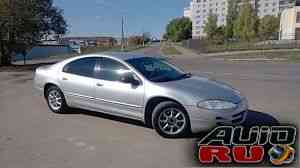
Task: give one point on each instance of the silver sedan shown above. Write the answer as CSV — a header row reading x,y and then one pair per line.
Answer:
x,y
141,87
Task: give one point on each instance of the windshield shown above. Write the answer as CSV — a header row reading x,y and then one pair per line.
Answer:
x,y
157,70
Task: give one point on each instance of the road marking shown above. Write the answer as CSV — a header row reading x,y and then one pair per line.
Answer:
x,y
208,72
71,139
81,144
91,148
227,73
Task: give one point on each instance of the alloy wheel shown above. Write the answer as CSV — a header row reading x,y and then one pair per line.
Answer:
x,y
172,121
55,99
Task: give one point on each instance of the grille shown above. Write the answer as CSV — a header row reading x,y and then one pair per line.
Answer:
x,y
232,120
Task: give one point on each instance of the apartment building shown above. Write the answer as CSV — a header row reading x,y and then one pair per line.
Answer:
x,y
187,12
285,4
199,10
290,24
271,7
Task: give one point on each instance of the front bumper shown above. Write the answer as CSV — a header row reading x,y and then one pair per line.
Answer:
x,y
203,120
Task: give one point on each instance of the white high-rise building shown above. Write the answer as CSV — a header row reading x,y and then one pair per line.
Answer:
x,y
187,12
290,23
265,7
199,10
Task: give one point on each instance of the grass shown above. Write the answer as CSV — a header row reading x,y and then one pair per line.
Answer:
x,y
170,50
292,56
206,46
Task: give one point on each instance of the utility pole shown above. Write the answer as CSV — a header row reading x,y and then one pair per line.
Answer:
x,y
143,36
123,38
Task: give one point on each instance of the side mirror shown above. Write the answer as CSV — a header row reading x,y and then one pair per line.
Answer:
x,y
130,79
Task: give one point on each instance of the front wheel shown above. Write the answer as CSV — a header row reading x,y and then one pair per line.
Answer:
x,y
170,120
56,100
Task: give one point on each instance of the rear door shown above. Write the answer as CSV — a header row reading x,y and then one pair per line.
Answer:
x,y
78,82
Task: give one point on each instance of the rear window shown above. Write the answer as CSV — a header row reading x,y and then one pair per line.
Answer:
x,y
82,67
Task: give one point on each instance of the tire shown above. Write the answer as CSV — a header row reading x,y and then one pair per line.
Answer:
x,y
170,120
56,100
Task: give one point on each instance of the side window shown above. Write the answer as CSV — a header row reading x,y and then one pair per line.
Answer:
x,y
83,67
111,70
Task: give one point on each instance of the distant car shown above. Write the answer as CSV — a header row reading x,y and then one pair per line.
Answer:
x,y
141,87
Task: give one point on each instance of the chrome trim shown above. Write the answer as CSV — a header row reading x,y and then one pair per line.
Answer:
x,y
107,101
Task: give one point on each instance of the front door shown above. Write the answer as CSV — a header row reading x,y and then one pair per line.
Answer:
x,y
115,97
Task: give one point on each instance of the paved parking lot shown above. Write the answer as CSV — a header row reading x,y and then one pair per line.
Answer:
x,y
32,136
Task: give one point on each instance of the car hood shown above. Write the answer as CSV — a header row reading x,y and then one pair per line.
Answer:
x,y
201,88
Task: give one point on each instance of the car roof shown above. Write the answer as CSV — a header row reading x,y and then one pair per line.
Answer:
x,y
122,56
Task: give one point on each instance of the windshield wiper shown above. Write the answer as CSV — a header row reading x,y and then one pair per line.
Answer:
x,y
168,79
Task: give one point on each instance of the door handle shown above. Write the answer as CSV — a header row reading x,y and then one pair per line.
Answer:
x,y
99,84
64,78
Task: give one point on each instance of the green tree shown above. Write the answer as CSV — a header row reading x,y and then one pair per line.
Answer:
x,y
268,27
219,37
3,27
211,26
165,36
230,18
24,23
179,29
245,26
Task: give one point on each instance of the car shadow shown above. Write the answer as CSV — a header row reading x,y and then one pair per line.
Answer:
x,y
107,116
254,118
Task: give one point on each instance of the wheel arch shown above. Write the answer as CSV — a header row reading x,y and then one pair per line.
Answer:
x,y
152,103
47,85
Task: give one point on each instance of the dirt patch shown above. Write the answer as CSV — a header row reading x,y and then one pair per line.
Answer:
x,y
18,75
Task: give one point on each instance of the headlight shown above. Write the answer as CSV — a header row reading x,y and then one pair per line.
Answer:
x,y
216,105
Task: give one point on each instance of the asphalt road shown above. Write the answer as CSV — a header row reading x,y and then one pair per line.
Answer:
x,y
32,137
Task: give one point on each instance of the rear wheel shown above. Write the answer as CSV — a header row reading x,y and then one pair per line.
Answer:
x,y
170,120
56,100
